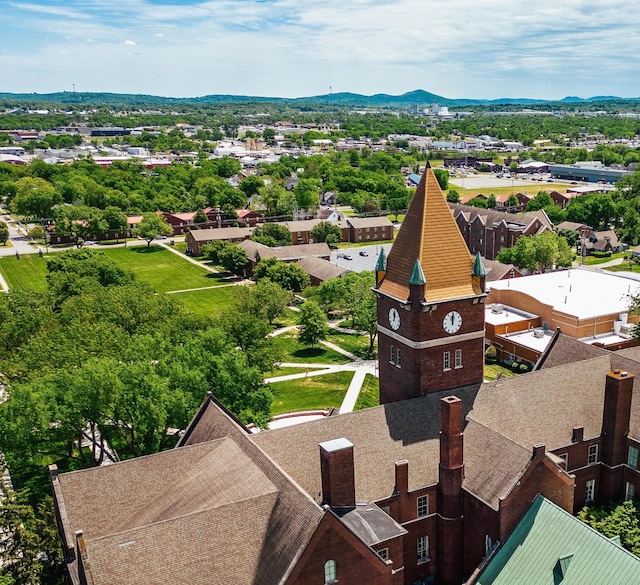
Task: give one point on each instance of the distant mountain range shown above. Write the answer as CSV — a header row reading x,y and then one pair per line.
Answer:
x,y
418,97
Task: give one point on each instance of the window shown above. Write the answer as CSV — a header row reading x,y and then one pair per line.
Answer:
x,y
629,491
383,553
392,354
386,510
488,545
423,549
367,229
591,488
632,459
423,506
446,360
565,458
458,361
593,454
330,572
398,361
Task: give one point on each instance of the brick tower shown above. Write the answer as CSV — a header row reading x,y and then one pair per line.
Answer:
x,y
430,295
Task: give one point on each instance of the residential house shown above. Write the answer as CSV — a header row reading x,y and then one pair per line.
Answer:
x,y
320,270
369,229
488,231
197,238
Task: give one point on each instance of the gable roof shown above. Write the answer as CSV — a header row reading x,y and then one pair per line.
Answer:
x,y
429,234
295,252
321,269
550,546
133,512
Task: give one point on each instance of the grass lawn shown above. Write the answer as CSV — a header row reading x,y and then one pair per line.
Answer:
x,y
356,344
162,269
181,247
279,371
208,302
592,260
624,267
27,273
369,393
314,393
491,372
288,318
293,351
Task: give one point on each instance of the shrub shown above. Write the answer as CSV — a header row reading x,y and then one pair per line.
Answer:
x,y
524,368
491,355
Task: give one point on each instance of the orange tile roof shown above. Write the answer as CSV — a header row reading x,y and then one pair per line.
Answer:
x,y
430,234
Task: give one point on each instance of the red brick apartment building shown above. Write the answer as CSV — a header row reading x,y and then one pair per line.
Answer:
x,y
417,490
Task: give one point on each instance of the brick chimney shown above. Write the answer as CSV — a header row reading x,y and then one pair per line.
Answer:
x,y
338,474
450,509
615,428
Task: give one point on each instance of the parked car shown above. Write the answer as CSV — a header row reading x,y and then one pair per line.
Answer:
x,y
347,257
88,243
364,253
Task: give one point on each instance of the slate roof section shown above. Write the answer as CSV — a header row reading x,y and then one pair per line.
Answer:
x,y
492,463
381,436
429,234
550,546
567,350
321,269
370,523
544,406
153,519
289,253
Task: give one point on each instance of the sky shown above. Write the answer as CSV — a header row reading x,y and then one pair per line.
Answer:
x,y
547,49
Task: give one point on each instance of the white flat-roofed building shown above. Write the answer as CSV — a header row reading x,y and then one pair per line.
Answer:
x,y
582,303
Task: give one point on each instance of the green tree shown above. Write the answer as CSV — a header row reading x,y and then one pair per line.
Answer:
x,y
492,202
313,323
453,196
4,233
37,232
443,178
289,276
232,258
615,520
278,232
251,185
326,231
306,193
150,227
30,552
35,197
477,202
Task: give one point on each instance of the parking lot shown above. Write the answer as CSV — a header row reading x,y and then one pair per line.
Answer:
x,y
362,258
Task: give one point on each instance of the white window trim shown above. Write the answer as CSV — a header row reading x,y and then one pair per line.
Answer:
x,y
629,457
425,501
446,361
423,549
398,358
592,455
458,359
591,490
383,553
629,491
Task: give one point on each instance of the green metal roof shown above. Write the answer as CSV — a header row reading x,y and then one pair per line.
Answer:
x,y
551,547
381,264
417,276
478,266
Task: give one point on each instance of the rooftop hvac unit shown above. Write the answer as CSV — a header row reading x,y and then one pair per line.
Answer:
x,y
538,333
626,329
497,308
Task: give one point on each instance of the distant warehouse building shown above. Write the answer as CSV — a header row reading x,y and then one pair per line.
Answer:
x,y
591,172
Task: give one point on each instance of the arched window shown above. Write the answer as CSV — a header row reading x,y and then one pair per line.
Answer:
x,y
330,572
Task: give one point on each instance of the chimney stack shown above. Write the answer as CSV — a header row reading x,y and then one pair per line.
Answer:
x,y
338,473
615,428
450,508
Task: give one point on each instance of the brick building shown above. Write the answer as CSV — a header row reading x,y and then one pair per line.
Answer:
x,y
415,490
488,231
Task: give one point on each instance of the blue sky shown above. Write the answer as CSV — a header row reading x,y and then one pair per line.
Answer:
x,y
292,48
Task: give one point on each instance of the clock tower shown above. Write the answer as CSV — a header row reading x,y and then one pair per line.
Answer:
x,y
430,294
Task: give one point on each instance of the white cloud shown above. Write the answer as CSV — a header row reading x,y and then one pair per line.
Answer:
x,y
293,48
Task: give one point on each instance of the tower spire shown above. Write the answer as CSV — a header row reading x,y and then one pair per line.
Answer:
x,y
430,234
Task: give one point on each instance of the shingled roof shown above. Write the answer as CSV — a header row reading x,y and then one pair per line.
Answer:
x,y
429,234
158,519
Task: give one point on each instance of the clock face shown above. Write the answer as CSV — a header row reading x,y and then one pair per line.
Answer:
x,y
452,321
394,318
